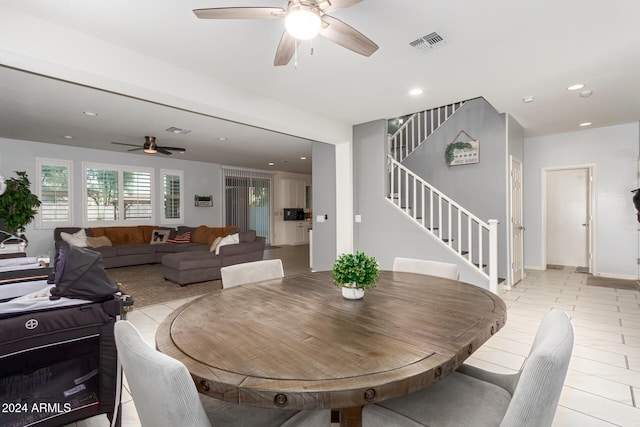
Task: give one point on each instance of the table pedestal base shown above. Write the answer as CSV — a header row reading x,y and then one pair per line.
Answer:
x,y
351,417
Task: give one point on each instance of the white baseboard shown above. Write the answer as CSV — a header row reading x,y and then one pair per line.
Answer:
x,y
617,276
534,267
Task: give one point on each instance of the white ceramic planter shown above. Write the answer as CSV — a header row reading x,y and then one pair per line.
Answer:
x,y
352,293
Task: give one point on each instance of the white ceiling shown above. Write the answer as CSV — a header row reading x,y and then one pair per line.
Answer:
x,y
503,50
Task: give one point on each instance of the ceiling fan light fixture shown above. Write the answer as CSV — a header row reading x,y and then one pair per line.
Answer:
x,y
150,146
303,22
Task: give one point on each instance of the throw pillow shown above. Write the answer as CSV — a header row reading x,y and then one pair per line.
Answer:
x,y
215,244
159,236
76,239
231,239
181,238
97,242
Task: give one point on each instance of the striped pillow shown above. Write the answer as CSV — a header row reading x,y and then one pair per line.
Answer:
x,y
181,238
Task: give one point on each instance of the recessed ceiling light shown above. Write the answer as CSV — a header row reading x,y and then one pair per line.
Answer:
x,y
576,86
222,138
415,92
528,99
586,93
89,113
68,137
303,158
585,124
271,163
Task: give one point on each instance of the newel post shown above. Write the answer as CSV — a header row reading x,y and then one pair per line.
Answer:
x,y
493,255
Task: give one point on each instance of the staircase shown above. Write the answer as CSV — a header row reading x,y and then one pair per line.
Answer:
x,y
418,128
472,240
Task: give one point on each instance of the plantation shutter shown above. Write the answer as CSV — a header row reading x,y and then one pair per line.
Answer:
x,y
54,192
137,195
102,194
172,196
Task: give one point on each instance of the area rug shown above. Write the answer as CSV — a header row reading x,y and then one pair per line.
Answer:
x,y
606,282
147,286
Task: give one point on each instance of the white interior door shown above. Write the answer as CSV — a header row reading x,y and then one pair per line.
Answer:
x,y
568,217
517,223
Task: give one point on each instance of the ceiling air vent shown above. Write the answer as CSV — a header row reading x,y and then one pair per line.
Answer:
x,y
178,131
428,42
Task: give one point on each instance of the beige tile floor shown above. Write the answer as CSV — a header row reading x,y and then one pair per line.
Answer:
x,y
603,383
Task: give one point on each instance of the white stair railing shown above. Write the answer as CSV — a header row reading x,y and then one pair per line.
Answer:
x,y
418,128
472,239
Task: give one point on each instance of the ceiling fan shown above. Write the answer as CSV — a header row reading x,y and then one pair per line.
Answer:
x,y
151,147
304,19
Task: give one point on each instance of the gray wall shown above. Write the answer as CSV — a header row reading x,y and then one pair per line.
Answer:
x,y
480,188
385,232
614,152
200,178
515,138
324,203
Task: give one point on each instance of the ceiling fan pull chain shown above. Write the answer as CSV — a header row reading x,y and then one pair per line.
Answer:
x,y
295,56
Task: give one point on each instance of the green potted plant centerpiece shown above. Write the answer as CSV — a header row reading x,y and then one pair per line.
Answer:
x,y
18,205
354,273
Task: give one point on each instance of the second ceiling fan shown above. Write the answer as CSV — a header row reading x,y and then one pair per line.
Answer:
x,y
304,19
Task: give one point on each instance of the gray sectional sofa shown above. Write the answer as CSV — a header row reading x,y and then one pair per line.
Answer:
x,y
183,263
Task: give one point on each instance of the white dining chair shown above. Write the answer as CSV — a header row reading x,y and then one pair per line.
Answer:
x,y
421,266
165,395
474,397
248,272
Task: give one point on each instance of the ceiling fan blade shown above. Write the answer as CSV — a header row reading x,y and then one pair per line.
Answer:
x,y
180,149
122,143
347,36
135,149
336,4
240,13
286,49
163,151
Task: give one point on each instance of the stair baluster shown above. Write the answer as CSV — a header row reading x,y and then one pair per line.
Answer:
x,y
408,192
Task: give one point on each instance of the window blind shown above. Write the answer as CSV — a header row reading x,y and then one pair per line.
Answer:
x,y
54,192
136,195
248,200
172,196
102,194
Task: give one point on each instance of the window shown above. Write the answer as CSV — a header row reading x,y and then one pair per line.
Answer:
x,y
172,199
53,188
117,195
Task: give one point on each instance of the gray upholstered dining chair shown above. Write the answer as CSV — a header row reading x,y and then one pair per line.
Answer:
x,y
421,266
165,396
248,272
475,397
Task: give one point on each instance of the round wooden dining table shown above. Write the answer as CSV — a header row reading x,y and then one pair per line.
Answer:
x,y
296,343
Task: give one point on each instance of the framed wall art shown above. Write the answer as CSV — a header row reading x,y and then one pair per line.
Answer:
x,y
463,150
